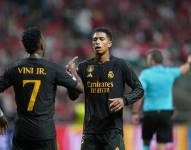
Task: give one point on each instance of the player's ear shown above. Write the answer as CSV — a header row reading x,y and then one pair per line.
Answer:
x,y
110,44
42,43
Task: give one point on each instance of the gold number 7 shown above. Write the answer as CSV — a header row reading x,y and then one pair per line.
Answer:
x,y
35,90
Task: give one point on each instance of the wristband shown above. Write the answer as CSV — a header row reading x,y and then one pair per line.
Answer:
x,y
1,113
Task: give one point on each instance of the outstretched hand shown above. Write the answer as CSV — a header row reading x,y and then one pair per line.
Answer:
x,y
3,125
71,66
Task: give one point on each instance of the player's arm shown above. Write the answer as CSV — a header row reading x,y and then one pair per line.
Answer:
x,y
73,95
70,80
137,106
186,67
136,111
135,95
132,80
72,69
73,85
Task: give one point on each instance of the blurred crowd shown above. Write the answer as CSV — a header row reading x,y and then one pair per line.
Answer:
x,y
137,26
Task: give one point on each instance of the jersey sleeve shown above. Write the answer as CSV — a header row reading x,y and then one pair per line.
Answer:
x,y
5,80
64,79
80,70
132,80
73,94
175,71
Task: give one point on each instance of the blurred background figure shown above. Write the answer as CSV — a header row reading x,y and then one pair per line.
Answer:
x,y
157,81
137,25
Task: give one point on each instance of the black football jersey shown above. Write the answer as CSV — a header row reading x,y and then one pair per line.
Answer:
x,y
102,82
35,82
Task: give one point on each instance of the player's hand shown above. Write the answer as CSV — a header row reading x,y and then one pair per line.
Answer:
x,y
135,118
116,104
71,66
3,125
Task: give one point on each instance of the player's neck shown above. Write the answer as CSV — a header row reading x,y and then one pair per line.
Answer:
x,y
103,58
38,54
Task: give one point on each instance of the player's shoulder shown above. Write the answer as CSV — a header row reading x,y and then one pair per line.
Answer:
x,y
171,68
168,69
49,63
146,71
152,69
39,63
117,59
120,62
52,66
86,62
14,65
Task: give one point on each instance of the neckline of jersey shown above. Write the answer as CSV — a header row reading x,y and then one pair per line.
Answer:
x,y
99,63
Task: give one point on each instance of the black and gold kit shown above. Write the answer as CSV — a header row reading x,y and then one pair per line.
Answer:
x,y
35,82
102,82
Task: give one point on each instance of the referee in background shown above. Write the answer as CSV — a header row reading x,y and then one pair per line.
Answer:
x,y
157,81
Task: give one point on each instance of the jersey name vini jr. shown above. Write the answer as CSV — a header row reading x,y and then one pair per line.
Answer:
x,y
31,70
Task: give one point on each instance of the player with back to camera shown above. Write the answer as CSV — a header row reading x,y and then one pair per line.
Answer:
x,y
35,81
104,77
157,81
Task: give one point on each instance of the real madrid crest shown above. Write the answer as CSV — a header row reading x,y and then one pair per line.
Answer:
x,y
110,75
89,70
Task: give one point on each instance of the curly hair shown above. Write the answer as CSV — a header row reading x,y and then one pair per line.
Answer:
x,y
104,30
31,39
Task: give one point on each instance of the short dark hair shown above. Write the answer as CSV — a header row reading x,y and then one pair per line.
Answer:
x,y
156,55
31,39
104,30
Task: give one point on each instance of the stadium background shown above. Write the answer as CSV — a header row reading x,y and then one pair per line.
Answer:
x,y
137,25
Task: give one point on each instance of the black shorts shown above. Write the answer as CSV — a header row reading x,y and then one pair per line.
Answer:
x,y
19,144
111,140
159,122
